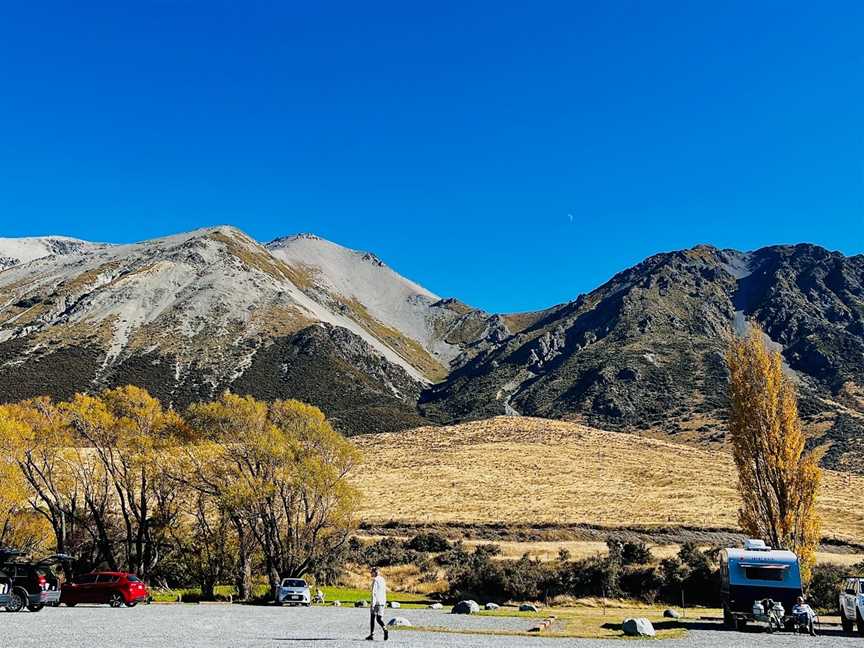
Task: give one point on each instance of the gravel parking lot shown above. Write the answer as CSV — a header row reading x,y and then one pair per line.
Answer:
x,y
226,626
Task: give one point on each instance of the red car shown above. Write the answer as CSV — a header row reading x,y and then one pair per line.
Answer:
x,y
114,588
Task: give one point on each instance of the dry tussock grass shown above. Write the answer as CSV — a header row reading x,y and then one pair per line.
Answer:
x,y
526,470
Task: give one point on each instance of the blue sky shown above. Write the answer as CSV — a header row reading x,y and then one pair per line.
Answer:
x,y
510,154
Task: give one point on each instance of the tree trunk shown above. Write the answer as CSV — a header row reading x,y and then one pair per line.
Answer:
x,y
243,576
208,590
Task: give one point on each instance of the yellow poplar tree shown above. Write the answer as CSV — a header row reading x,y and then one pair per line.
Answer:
x,y
777,480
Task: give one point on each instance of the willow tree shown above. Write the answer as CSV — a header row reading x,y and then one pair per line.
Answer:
x,y
34,435
130,435
777,480
21,526
282,470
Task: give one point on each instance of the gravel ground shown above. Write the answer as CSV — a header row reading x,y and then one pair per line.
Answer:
x,y
226,626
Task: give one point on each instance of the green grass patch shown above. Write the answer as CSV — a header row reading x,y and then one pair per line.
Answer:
x,y
193,594
577,622
350,595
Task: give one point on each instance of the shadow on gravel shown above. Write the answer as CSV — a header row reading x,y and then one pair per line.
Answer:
x,y
304,640
821,631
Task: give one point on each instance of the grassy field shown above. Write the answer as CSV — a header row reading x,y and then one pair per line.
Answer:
x,y
522,470
590,621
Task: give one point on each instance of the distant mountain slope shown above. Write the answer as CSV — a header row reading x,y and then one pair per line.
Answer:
x,y
184,316
192,314
645,350
427,331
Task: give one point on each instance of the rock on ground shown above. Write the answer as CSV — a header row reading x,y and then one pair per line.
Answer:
x,y
401,622
639,627
466,607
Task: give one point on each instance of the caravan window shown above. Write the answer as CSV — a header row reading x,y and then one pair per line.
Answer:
x,y
764,573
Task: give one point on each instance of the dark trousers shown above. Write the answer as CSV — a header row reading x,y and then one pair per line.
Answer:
x,y
375,615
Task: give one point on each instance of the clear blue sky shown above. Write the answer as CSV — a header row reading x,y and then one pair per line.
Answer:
x,y
510,154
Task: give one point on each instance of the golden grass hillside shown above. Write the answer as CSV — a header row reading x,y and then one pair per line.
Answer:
x,y
518,470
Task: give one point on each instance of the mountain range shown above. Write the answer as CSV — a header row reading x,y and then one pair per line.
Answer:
x,y
189,315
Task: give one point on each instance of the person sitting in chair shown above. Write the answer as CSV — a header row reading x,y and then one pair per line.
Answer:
x,y
804,615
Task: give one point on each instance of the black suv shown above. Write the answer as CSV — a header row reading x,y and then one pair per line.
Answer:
x,y
33,584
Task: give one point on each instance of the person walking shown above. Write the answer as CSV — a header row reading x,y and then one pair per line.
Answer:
x,y
379,602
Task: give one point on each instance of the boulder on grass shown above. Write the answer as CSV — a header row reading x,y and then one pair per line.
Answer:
x,y
671,614
639,627
400,622
528,607
435,606
492,606
465,607
394,604
361,604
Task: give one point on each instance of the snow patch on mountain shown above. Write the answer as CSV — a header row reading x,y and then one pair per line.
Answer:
x,y
15,251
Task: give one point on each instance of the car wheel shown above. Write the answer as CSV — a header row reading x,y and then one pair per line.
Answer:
x,y
132,604
35,608
728,619
116,600
859,622
17,601
70,604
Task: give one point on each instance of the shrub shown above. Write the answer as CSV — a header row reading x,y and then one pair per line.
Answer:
x,y
635,553
428,543
456,556
476,577
585,577
823,594
385,552
482,578
691,574
524,579
643,583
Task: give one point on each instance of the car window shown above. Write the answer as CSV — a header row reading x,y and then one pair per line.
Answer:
x,y
294,582
85,579
132,578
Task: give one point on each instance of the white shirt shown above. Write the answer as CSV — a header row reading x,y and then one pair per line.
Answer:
x,y
379,591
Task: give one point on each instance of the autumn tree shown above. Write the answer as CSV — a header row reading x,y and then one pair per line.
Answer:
x,y
132,436
204,543
35,436
280,469
20,525
777,480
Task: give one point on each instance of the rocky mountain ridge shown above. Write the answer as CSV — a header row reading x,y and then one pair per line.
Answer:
x,y
192,314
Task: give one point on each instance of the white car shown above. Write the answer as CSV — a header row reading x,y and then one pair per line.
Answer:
x,y
852,605
294,591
